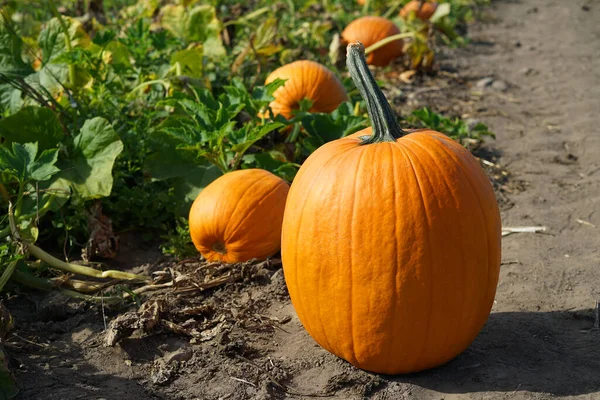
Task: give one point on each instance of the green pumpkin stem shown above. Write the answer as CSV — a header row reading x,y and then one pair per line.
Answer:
x,y
383,119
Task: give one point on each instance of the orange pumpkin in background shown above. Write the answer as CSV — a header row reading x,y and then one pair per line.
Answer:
x,y
422,9
370,30
310,80
391,242
238,216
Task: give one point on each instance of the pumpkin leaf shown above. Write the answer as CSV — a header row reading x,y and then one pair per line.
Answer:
x,y
52,39
11,48
341,122
44,196
166,161
189,62
236,94
12,65
195,24
32,124
243,139
57,55
187,173
119,55
23,164
89,166
455,128
272,161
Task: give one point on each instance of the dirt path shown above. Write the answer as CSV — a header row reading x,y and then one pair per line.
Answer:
x,y
538,344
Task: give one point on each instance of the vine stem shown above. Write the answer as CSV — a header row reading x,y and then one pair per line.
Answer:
x,y
387,40
384,124
47,285
65,266
19,200
142,85
80,269
7,273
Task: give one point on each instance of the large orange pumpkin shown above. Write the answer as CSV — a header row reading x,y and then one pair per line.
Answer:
x,y
310,80
370,30
422,9
238,216
391,242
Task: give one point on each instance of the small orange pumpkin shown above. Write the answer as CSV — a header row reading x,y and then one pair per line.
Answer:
x,y
238,216
306,80
370,30
422,9
391,242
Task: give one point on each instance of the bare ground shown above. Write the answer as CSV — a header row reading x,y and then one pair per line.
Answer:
x,y
539,342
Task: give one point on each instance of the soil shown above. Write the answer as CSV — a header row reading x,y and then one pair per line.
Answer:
x,y
532,73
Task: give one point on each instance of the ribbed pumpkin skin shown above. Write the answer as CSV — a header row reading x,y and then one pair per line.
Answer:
x,y
391,251
370,30
310,80
241,211
422,12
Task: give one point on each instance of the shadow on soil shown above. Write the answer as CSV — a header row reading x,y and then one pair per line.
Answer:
x,y
54,354
549,352
43,375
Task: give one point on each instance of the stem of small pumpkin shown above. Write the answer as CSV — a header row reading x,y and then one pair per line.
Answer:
x,y
383,120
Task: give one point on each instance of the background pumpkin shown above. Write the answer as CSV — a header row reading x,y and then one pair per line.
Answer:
x,y
238,216
423,10
310,80
391,242
370,30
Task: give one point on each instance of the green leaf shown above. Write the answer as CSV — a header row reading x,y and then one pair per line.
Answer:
x,y
167,162
32,124
89,168
22,164
43,168
237,94
182,130
197,24
11,48
119,54
188,173
189,62
53,42
12,65
455,128
187,188
44,196
52,38
242,139
271,161
341,122
264,94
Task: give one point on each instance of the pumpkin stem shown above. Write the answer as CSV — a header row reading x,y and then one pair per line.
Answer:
x,y
383,120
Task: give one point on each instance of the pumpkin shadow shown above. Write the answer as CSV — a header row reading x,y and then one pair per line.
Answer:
x,y
549,352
